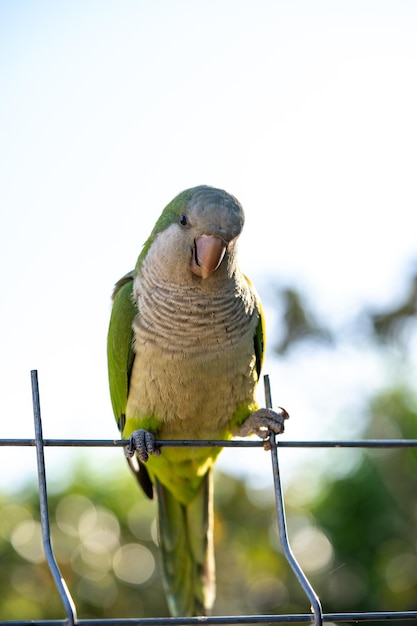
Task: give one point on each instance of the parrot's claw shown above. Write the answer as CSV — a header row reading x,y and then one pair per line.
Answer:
x,y
143,443
262,422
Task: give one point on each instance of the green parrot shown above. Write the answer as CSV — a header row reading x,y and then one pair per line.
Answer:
x,y
185,350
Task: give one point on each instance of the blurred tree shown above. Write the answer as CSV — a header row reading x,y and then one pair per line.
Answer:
x,y
369,517
355,538
298,322
369,513
388,325
104,538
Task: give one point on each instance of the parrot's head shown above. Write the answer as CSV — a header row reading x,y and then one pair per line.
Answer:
x,y
198,231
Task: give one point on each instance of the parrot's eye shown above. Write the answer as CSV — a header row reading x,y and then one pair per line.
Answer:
x,y
183,220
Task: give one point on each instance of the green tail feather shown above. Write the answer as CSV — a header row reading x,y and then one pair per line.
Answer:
x,y
186,543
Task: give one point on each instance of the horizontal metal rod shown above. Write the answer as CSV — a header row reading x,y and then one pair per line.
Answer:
x,y
378,616
218,443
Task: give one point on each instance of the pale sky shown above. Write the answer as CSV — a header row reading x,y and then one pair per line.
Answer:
x,y
305,110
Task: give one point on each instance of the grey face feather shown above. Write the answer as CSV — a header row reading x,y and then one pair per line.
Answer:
x,y
215,212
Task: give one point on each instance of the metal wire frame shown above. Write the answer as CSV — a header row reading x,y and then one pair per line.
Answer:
x,y
316,617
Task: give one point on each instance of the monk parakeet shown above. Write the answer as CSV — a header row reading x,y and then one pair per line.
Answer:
x,y
185,349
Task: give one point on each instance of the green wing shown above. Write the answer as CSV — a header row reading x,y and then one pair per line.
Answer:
x,y
120,357
259,338
259,341
120,354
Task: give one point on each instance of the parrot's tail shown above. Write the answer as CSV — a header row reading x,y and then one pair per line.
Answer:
x,y
186,543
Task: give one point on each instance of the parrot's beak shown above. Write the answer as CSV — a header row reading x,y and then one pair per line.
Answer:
x,y
207,255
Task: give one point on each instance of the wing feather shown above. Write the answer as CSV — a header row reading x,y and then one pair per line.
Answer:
x,y
259,337
120,354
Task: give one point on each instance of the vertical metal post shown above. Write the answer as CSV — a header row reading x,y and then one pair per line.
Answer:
x,y
282,524
44,512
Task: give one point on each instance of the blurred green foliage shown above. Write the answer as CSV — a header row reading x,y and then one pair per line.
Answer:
x,y
355,537
370,518
104,538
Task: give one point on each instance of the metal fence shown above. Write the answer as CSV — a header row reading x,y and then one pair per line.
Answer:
x,y
316,616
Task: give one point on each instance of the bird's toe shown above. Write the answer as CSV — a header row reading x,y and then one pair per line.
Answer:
x,y
142,442
264,421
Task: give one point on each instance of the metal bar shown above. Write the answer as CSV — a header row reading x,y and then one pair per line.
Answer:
x,y
376,616
282,524
299,618
119,443
218,443
43,503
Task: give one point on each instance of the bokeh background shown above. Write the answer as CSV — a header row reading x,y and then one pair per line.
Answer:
x,y
305,110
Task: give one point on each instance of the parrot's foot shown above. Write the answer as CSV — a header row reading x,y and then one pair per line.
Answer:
x,y
143,443
262,422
